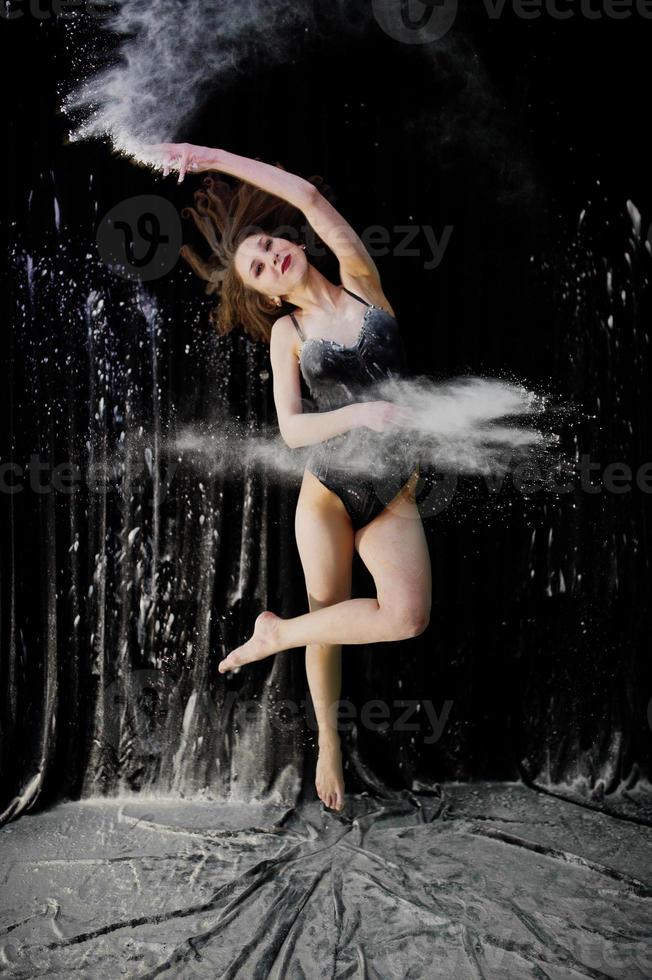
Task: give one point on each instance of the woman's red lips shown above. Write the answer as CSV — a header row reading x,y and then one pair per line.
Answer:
x,y
286,262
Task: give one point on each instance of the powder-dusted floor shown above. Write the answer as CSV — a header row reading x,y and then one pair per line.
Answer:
x,y
484,881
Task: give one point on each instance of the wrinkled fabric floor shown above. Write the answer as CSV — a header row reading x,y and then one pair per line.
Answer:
x,y
484,881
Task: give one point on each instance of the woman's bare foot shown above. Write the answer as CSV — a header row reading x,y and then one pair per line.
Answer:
x,y
263,643
329,779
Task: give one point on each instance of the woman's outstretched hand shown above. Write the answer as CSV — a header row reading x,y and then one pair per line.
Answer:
x,y
382,416
183,157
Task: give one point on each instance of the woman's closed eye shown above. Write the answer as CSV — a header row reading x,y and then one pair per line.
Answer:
x,y
268,245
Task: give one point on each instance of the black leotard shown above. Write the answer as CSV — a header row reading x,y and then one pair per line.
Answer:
x,y
338,375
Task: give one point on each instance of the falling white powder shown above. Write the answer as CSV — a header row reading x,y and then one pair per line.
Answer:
x,y
469,425
170,55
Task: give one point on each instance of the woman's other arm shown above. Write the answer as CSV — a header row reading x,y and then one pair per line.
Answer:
x,y
299,428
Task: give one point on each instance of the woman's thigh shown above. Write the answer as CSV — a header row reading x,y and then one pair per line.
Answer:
x,y
394,548
325,540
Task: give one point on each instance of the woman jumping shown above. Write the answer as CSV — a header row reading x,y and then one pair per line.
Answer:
x,y
342,339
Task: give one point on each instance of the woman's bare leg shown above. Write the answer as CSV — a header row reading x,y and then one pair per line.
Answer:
x,y
394,549
325,542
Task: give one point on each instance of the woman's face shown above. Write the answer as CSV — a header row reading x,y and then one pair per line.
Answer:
x,y
272,266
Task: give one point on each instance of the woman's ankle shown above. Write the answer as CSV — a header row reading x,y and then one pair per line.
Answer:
x,y
328,740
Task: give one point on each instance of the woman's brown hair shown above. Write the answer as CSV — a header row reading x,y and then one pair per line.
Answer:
x,y
226,214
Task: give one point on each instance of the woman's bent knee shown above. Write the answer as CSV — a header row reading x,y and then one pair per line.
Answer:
x,y
420,623
407,621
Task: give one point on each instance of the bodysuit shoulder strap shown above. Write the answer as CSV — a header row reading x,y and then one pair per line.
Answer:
x,y
298,328
296,322
355,296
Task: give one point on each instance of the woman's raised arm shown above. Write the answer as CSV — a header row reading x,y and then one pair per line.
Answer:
x,y
187,157
327,222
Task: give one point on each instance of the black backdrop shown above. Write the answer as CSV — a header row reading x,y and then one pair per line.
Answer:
x,y
527,138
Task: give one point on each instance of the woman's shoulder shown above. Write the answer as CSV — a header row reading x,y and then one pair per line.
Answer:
x,y
283,326
284,334
369,289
